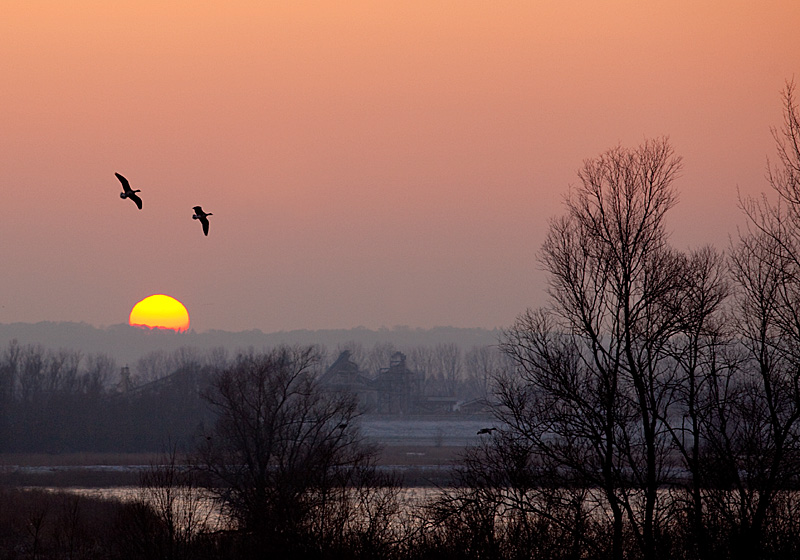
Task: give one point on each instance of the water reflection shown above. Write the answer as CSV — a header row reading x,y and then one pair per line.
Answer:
x,y
200,509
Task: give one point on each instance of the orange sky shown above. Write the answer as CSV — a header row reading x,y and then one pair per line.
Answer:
x,y
367,163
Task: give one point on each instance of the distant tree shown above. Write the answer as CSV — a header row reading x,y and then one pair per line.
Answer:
x,y
9,366
481,365
153,365
217,358
422,359
449,365
31,373
62,371
100,369
379,356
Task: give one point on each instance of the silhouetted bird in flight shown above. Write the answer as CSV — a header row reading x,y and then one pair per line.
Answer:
x,y
127,192
486,431
203,217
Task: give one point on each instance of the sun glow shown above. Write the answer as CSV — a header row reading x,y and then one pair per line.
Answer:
x,y
160,312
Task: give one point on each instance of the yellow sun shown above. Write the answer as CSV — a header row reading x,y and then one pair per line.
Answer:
x,y
160,312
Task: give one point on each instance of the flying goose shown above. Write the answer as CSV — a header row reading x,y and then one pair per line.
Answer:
x,y
127,192
203,217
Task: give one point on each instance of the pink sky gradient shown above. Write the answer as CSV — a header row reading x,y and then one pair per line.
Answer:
x,y
367,163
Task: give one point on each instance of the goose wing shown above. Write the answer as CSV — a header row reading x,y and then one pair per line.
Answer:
x,y
125,184
204,221
136,199
198,210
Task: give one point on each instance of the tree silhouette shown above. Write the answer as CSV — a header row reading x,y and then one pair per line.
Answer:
x,y
285,458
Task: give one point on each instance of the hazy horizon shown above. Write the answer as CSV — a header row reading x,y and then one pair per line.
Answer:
x,y
366,164
127,344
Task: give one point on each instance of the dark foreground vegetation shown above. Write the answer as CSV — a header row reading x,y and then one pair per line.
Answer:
x,y
174,523
650,411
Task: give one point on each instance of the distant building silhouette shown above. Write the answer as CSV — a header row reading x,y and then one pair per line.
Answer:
x,y
396,390
345,375
125,383
399,388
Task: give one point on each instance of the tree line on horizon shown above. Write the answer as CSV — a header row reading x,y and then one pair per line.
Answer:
x,y
59,401
126,344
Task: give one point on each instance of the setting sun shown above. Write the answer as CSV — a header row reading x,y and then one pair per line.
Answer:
x,y
160,311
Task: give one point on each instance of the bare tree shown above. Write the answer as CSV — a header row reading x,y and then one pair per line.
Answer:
x,y
482,364
172,509
422,359
508,501
62,371
217,358
31,373
449,365
284,456
9,366
152,366
379,356
784,178
758,436
705,360
593,364
99,369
